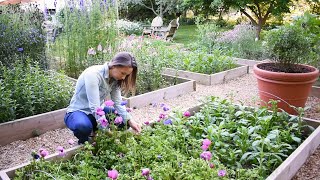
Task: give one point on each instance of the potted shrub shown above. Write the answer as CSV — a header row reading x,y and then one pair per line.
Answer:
x,y
286,78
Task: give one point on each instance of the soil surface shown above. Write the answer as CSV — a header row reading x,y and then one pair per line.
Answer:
x,y
240,90
286,68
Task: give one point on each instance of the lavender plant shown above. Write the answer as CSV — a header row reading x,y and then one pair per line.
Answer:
x,y
21,35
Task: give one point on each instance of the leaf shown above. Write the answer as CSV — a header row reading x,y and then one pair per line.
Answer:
x,y
296,139
238,113
245,155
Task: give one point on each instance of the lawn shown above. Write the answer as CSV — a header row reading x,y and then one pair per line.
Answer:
x,y
186,34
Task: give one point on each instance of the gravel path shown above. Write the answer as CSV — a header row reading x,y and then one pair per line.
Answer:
x,y
243,89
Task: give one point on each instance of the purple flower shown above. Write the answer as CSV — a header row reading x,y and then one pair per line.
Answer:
x,y
222,173
159,156
166,108
206,142
100,111
206,155
103,122
99,48
35,155
43,152
186,114
147,123
204,147
20,49
109,103
211,165
91,51
145,172
118,120
71,142
162,116
129,109
167,122
61,151
162,105
123,103
113,174
149,178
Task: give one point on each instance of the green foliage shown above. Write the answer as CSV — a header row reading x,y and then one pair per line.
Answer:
x,y
310,24
27,90
247,143
84,27
158,7
295,43
257,11
21,35
197,61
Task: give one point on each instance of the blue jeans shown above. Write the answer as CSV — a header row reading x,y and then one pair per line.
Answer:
x,y
82,124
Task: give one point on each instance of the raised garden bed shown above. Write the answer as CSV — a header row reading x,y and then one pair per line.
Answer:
x,y
286,170
247,62
212,79
183,86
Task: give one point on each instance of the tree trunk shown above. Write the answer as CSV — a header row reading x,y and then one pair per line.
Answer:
x,y
258,28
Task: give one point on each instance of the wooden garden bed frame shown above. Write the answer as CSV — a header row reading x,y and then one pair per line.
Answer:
x,y
285,171
28,127
184,86
212,79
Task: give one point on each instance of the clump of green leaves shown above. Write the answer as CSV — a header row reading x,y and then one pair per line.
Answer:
x,y
27,90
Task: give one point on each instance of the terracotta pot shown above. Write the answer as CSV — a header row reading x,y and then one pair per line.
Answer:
x,y
289,88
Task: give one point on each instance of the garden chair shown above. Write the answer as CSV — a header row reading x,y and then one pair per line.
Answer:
x,y
167,33
155,24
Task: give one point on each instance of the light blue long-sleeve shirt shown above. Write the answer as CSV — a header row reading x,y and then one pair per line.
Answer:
x,y
92,88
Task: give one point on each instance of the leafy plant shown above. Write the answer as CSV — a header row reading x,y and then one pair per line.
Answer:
x,y
237,143
294,43
27,90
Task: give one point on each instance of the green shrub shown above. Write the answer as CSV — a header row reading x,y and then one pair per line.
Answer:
x,y
27,90
295,43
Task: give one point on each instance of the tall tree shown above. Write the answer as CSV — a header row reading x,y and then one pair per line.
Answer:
x,y
258,11
158,7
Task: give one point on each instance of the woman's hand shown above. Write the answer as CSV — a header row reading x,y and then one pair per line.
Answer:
x,y
135,126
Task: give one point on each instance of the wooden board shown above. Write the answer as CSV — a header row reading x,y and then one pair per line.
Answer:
x,y
198,77
162,94
224,76
212,79
25,128
10,173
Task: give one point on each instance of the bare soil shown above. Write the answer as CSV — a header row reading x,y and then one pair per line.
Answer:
x,y
241,90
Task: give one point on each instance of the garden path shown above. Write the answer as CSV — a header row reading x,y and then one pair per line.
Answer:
x,y
243,89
